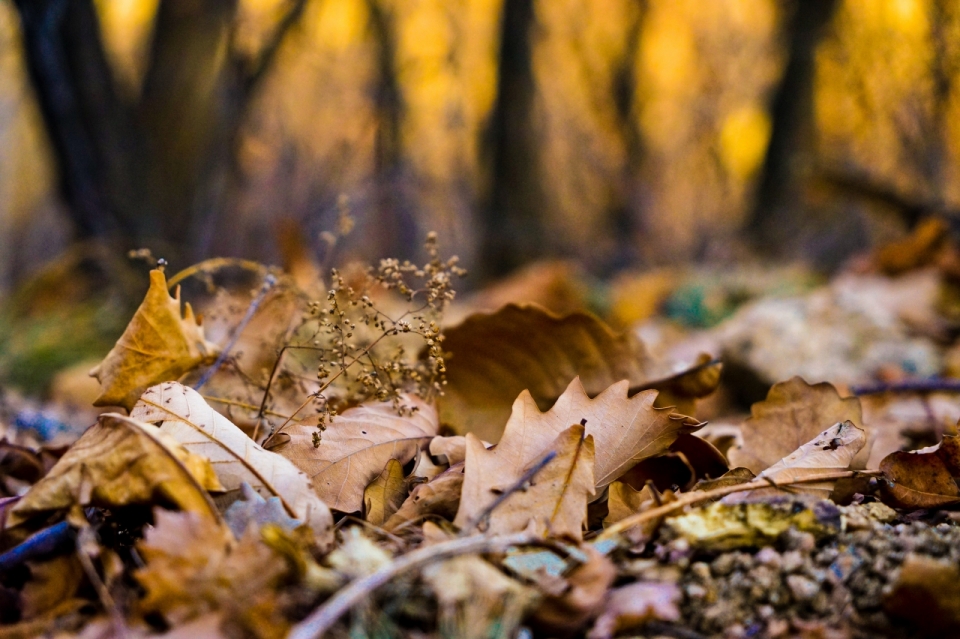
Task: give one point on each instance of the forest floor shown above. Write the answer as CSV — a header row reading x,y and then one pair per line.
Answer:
x,y
750,452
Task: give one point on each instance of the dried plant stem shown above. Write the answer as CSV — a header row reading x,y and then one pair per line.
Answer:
x,y
215,264
324,617
239,404
697,497
268,283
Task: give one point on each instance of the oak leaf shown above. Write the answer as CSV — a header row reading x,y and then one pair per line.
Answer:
x,y
184,415
120,461
493,357
556,500
925,478
634,605
383,497
793,413
355,447
158,345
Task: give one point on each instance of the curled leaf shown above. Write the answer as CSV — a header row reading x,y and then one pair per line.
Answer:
x,y
923,479
181,413
121,461
793,413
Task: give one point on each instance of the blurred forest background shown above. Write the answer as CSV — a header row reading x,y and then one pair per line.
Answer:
x,y
617,133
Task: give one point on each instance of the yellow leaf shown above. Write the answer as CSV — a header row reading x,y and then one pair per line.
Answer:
x,y
121,461
158,345
383,497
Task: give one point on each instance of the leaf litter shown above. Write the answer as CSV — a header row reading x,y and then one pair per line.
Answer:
x,y
523,473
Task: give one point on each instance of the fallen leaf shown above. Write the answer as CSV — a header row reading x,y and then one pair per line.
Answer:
x,y
925,478
493,357
926,594
51,582
832,450
722,526
383,497
625,431
158,345
439,496
555,502
475,599
634,605
793,413
732,477
181,413
253,509
624,500
355,448
918,249
193,565
585,596
121,461
668,471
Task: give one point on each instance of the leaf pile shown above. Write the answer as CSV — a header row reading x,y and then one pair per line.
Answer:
x,y
520,472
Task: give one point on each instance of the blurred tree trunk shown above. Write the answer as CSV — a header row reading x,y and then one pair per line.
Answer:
x,y
151,170
790,151
511,222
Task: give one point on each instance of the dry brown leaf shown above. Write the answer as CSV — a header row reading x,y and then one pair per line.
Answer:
x,y
583,599
194,566
555,502
625,430
51,582
121,461
355,448
451,450
624,500
383,497
926,594
925,478
493,357
634,605
158,345
793,413
440,496
474,597
182,413
832,450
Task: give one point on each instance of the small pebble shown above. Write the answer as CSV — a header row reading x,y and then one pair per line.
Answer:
x,y
801,588
769,557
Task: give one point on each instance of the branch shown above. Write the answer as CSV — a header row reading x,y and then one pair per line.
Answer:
x,y
322,619
264,61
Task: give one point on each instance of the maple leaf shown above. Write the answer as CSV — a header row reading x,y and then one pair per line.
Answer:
x,y
925,478
182,413
121,461
495,356
158,345
355,448
194,566
793,414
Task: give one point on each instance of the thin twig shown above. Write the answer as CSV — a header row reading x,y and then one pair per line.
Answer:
x,y
86,537
47,542
518,485
696,497
268,283
324,617
239,404
926,385
215,264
